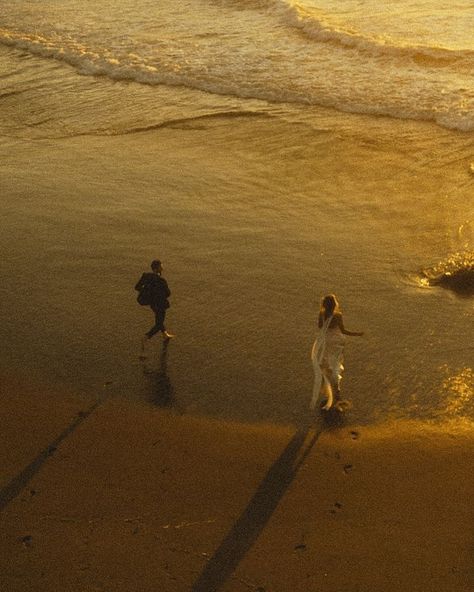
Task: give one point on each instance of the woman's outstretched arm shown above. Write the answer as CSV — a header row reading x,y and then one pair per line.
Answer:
x,y
346,331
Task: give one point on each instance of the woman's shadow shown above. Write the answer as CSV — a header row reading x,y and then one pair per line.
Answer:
x,y
258,512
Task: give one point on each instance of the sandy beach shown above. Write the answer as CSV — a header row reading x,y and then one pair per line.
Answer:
x,y
269,153
114,496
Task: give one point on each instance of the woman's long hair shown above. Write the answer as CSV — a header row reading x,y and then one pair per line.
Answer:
x,y
329,306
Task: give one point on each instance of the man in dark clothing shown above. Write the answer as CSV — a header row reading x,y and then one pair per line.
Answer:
x,y
158,293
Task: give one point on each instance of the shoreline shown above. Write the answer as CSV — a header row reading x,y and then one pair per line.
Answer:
x,y
137,499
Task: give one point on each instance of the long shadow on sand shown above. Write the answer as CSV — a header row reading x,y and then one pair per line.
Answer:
x,y
12,489
252,521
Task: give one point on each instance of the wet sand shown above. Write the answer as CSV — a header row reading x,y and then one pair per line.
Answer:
x,y
113,496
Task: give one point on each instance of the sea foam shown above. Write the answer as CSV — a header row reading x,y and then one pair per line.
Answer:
x,y
280,83
317,28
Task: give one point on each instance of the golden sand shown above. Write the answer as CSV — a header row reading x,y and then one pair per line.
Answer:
x,y
129,498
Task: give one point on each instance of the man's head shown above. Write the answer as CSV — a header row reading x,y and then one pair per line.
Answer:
x,y
156,266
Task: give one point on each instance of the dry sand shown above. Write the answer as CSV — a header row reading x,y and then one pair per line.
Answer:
x,y
129,498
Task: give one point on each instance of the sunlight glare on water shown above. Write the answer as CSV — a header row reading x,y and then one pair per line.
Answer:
x,y
459,388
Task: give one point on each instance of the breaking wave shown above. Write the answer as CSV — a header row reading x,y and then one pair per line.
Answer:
x,y
448,109
317,28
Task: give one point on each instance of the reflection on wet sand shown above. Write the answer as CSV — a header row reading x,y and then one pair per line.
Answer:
x,y
156,372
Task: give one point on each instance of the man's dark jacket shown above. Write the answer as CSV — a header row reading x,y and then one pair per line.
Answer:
x,y
157,288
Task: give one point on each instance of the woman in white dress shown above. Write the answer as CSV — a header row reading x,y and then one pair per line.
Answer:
x,y
328,353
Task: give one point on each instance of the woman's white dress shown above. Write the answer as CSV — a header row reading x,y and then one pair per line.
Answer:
x,y
327,356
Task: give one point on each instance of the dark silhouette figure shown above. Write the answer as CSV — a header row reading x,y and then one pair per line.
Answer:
x,y
154,292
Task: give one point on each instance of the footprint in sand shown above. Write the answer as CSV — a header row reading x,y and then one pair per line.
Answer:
x,y
27,540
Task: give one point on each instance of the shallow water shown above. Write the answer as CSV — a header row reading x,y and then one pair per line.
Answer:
x,y
257,209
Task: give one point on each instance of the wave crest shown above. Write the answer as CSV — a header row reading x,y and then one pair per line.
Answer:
x,y
133,67
318,29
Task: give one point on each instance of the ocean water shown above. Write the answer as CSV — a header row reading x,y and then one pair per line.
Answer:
x,y
269,153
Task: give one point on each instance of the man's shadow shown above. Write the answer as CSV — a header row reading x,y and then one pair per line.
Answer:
x,y
156,373
253,519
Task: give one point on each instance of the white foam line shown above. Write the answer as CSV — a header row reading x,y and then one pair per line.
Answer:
x,y
93,64
320,30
